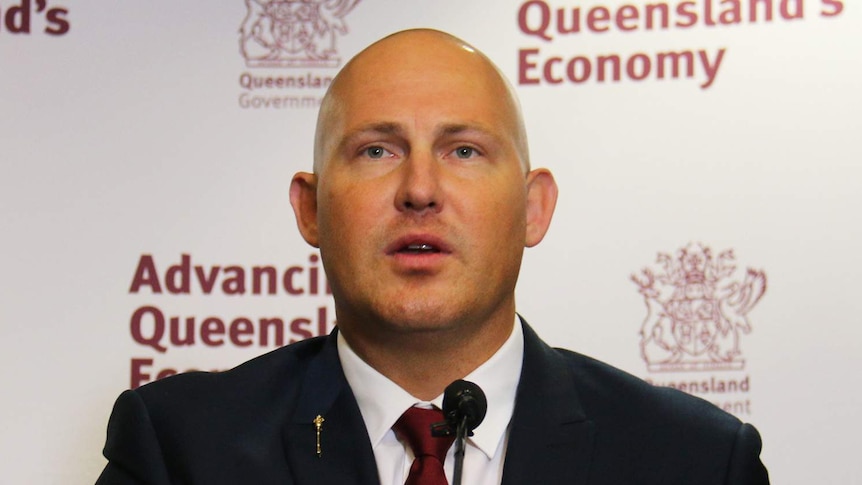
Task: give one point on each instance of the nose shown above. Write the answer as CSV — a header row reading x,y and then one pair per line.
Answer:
x,y
419,188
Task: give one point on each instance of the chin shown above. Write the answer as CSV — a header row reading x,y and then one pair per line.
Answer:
x,y
424,316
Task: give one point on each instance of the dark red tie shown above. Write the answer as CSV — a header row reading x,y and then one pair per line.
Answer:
x,y
414,426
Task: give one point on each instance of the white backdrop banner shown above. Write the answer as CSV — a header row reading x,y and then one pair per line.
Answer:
x,y
707,234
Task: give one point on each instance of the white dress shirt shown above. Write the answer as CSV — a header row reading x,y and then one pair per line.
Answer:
x,y
382,402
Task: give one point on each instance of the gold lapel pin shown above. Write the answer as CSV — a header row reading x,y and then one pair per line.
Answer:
x,y
318,426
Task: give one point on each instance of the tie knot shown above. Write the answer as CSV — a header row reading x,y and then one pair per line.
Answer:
x,y
414,426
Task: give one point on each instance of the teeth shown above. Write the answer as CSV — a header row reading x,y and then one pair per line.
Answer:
x,y
420,247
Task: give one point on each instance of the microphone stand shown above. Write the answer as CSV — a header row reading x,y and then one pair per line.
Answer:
x,y
460,438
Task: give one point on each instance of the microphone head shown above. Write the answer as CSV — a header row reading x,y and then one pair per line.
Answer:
x,y
464,399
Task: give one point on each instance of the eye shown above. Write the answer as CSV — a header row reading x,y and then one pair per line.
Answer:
x,y
376,152
465,152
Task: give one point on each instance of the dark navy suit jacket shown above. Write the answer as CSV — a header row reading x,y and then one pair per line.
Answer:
x,y
576,421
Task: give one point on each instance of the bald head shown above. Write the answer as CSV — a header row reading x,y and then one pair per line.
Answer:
x,y
405,62
422,203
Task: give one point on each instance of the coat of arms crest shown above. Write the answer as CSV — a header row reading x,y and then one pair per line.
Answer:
x,y
293,33
695,311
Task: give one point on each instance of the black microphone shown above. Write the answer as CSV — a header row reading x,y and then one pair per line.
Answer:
x,y
464,400
464,406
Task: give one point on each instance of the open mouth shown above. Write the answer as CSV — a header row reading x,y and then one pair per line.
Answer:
x,y
418,244
419,248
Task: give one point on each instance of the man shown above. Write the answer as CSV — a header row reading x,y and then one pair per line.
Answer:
x,y
421,202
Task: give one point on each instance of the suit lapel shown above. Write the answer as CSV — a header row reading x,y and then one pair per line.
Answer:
x,y
346,456
551,439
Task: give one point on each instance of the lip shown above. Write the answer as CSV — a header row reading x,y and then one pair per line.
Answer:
x,y
396,247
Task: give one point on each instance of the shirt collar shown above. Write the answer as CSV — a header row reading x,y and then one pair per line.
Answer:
x,y
382,402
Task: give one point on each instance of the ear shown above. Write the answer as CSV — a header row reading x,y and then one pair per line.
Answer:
x,y
541,200
303,198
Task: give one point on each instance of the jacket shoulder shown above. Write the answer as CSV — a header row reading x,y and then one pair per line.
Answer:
x,y
223,427
661,431
280,368
216,405
607,390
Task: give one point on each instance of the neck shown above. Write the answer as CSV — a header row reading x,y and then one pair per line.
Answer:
x,y
424,362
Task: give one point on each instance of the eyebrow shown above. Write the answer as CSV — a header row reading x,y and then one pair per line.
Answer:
x,y
383,128
457,128
392,128
450,129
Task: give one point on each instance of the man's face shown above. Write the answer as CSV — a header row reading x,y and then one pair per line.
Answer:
x,y
421,201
